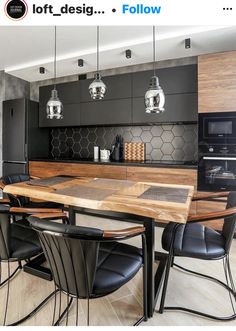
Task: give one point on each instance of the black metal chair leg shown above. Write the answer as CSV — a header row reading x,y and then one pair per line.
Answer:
x,y
163,295
64,313
88,312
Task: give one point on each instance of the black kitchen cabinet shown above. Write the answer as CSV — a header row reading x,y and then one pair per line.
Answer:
x,y
69,94
178,108
106,112
118,87
173,80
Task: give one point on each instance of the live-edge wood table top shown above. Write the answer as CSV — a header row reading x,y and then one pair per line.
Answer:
x,y
162,202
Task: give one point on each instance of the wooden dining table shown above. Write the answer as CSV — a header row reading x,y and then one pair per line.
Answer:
x,y
141,202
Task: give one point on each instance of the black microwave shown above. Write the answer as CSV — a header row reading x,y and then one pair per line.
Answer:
x,y
217,128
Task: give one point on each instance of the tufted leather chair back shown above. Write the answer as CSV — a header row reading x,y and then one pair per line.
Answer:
x,y
229,222
4,232
12,179
72,252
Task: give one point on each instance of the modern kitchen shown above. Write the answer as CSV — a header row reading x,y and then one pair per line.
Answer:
x,y
113,134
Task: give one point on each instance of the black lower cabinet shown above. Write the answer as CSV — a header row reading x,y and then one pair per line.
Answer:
x,y
107,112
178,108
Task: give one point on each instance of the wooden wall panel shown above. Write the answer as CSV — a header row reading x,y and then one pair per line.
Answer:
x,y
217,82
163,175
47,169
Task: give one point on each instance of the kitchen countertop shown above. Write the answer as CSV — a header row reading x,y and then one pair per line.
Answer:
x,y
147,163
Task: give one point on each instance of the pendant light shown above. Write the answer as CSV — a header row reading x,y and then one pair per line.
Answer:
x,y
97,88
154,97
54,105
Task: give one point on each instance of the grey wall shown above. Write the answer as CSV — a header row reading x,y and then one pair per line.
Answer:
x,y
11,87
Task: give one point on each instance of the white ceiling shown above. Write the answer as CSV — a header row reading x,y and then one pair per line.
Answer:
x,y
25,48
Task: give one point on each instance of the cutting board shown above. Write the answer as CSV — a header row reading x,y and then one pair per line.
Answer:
x,y
134,151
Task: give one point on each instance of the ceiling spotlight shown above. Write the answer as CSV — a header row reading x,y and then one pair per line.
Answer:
x,y
187,43
80,62
128,54
42,70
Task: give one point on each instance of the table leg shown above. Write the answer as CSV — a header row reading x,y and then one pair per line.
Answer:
x,y
72,215
149,225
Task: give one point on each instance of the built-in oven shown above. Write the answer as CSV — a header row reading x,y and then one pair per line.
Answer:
x,y
217,128
217,151
217,173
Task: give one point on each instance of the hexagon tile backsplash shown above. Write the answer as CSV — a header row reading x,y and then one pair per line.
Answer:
x,y
176,142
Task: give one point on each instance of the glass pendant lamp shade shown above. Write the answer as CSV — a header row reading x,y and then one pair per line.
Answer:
x,y
54,106
97,88
154,97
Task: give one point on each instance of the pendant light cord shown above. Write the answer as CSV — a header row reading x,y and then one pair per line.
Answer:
x,y
154,50
97,49
55,56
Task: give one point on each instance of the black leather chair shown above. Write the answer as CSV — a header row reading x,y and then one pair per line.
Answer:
x,y
197,241
89,263
21,201
18,244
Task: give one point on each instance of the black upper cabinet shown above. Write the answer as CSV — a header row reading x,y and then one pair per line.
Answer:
x,y
173,80
107,112
69,94
178,108
124,100
118,87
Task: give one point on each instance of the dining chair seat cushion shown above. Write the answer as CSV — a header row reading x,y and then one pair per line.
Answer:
x,y
194,240
24,242
117,264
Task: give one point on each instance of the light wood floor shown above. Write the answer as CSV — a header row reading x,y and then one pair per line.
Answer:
x,y
125,306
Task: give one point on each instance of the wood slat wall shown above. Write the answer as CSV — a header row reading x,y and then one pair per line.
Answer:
x,y
217,82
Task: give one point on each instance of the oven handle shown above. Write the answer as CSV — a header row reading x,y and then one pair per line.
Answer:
x,y
219,158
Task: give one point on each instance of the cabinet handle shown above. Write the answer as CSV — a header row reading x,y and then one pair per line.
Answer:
x,y
12,112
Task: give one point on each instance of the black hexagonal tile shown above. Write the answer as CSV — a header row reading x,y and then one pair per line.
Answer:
x,y
100,142
178,142
156,142
76,147
55,152
167,149
136,131
156,154
178,154
178,130
63,147
84,132
167,136
84,142
189,136
55,142
136,140
168,127
146,136
167,158
156,130
84,153
69,132
55,133
76,136
127,136
69,142
92,137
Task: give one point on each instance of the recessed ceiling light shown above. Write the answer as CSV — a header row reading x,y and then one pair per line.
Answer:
x,y
187,43
128,54
42,70
80,62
